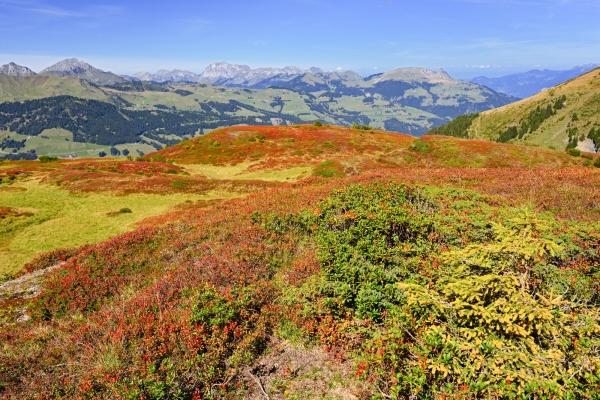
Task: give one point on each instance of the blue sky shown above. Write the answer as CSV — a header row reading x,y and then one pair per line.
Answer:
x,y
466,37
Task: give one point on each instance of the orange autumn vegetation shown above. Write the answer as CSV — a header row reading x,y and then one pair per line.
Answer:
x,y
135,294
356,150
126,177
183,306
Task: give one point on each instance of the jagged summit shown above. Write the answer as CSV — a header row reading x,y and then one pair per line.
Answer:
x,y
68,66
165,75
224,73
223,70
13,69
414,73
72,67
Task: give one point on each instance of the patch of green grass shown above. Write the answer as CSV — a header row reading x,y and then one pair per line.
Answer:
x,y
59,143
39,86
242,171
60,219
329,169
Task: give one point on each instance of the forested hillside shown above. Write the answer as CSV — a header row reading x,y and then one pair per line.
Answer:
x,y
103,123
408,100
565,116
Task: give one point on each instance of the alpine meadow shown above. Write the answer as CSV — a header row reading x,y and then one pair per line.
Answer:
x,y
223,231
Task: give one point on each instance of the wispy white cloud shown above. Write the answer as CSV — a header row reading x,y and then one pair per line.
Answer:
x,y
43,9
34,7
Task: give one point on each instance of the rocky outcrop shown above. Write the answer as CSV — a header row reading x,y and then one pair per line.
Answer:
x,y
75,68
13,69
164,75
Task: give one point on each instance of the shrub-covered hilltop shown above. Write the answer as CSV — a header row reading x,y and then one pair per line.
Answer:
x,y
406,273
565,116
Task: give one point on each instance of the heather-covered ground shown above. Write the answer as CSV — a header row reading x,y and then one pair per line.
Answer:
x,y
423,268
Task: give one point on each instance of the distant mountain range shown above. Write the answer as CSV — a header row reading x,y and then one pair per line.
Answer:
x,y
70,67
73,108
409,100
225,74
527,84
520,85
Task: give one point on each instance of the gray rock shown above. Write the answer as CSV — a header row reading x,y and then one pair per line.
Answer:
x,y
164,75
13,69
237,75
72,67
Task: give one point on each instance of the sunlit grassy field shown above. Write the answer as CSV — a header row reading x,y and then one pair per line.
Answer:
x,y
55,218
60,143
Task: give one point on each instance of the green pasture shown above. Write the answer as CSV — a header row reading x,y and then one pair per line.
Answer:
x,y
55,218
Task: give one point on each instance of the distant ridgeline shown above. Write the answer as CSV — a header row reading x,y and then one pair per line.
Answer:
x,y
419,95
102,123
103,109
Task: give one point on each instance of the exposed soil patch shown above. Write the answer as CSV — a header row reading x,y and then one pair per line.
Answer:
x,y
12,189
14,293
6,212
293,372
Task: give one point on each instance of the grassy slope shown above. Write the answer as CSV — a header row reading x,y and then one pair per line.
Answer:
x,y
61,219
583,98
225,163
60,205
55,144
355,150
36,87
18,89
195,307
262,98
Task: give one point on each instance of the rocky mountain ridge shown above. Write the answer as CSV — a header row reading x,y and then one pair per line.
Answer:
x,y
72,67
239,75
164,75
13,69
225,74
67,67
